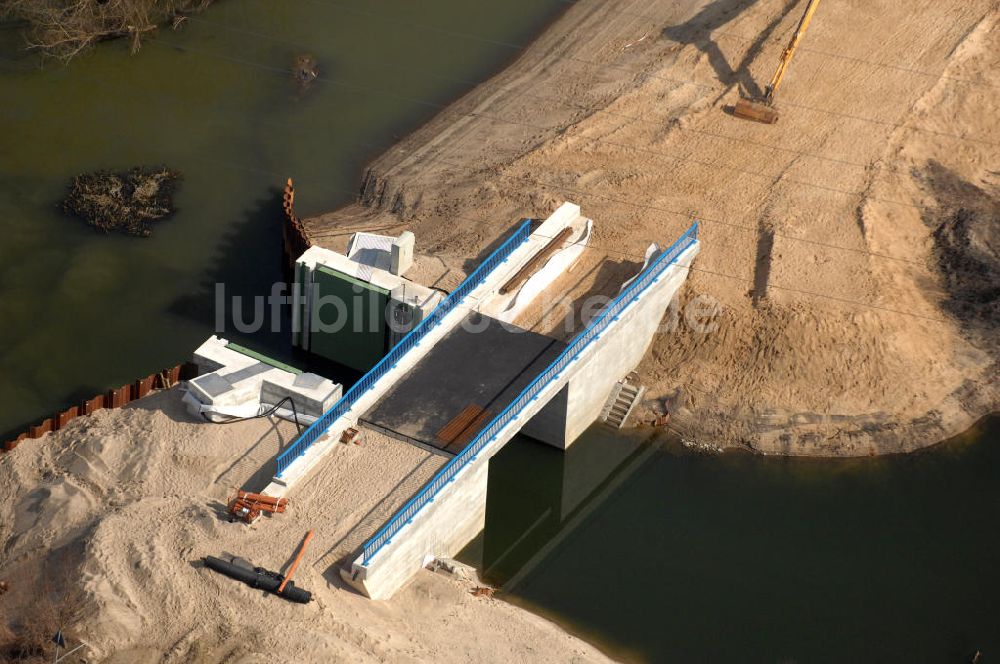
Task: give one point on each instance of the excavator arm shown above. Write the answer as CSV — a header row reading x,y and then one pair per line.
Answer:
x,y
763,110
786,55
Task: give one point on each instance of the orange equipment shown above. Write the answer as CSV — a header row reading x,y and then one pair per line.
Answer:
x,y
295,563
763,110
248,506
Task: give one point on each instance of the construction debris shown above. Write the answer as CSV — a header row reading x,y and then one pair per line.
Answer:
x,y
661,420
247,506
453,568
258,577
350,436
295,563
305,70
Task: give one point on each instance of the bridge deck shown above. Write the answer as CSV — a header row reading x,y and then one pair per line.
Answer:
x,y
466,379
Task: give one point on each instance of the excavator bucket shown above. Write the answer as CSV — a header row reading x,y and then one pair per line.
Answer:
x,y
757,111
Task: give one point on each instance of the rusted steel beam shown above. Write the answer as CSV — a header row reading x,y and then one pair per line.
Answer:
x,y
40,430
536,261
65,417
11,444
143,386
91,405
167,377
119,397
114,398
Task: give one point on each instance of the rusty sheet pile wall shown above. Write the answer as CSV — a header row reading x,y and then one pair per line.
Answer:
x,y
113,398
294,239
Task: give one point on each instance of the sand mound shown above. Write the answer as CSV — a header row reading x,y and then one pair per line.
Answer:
x,y
127,503
829,239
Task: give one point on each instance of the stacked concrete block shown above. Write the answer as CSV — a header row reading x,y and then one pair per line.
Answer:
x,y
313,395
237,385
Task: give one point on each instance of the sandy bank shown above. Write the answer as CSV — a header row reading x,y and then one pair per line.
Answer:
x,y
852,247
127,502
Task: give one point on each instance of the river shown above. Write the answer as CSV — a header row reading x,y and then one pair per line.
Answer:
x,y
658,553
81,311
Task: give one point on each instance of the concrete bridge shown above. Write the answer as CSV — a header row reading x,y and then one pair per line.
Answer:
x,y
465,382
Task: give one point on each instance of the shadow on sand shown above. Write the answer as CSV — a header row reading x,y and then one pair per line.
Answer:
x,y
698,29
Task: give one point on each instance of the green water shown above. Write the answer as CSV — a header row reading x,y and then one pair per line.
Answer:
x,y
660,554
79,311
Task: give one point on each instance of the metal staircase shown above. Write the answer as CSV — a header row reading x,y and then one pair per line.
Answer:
x,y
622,401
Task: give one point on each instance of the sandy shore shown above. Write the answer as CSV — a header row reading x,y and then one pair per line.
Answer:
x,y
851,247
127,502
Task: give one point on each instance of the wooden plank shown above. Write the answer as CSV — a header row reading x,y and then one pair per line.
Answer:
x,y
454,436
454,428
470,432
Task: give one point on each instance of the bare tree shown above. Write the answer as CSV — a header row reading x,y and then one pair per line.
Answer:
x,y
54,601
64,28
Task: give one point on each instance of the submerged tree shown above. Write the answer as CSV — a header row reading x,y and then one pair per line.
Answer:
x,y
64,28
122,201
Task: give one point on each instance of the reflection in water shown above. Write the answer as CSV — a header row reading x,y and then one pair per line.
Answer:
x,y
537,494
659,554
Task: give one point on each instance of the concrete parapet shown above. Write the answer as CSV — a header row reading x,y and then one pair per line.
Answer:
x,y
621,349
441,529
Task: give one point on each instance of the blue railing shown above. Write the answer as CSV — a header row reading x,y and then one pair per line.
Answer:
x,y
571,352
349,398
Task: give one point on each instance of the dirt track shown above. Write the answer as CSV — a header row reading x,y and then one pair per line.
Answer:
x,y
829,239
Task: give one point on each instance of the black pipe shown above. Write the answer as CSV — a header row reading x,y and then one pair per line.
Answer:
x,y
267,413
258,577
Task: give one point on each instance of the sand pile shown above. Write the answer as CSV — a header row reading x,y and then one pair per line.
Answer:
x,y
127,502
829,239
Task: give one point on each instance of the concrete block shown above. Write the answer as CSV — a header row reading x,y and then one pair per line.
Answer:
x,y
313,395
549,424
237,385
557,265
213,355
441,529
402,253
624,345
565,215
